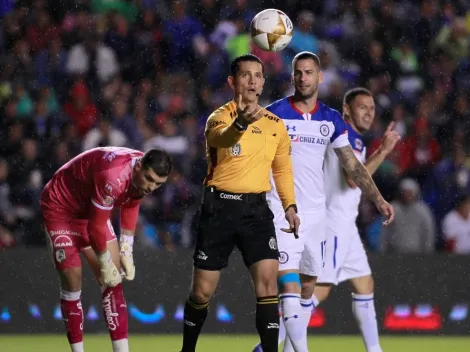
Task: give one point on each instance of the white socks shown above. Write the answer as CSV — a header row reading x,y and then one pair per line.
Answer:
x,y
364,311
293,317
77,347
121,345
293,326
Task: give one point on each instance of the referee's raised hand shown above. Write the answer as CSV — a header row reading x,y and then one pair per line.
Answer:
x,y
248,114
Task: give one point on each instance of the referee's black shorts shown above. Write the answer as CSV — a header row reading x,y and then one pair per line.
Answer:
x,y
227,220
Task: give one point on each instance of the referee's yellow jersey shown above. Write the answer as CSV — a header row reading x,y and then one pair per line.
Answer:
x,y
241,161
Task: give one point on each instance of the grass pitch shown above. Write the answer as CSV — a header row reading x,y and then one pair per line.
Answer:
x,y
230,343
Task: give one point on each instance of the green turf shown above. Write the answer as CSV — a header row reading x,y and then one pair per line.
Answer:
x,y
238,343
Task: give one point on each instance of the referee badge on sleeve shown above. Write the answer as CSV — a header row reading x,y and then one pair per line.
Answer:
x,y
236,150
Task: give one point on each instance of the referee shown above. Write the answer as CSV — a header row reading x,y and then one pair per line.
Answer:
x,y
244,143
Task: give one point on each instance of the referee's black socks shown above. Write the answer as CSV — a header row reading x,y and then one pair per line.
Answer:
x,y
194,316
267,322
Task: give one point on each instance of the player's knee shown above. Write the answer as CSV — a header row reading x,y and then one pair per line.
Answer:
x,y
289,282
201,291
322,292
71,279
200,296
308,286
363,285
265,285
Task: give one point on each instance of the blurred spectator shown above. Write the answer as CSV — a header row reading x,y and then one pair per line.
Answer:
x,y
7,213
170,140
126,123
406,60
419,152
41,32
413,230
80,109
426,28
92,60
104,134
51,64
453,39
78,74
128,9
331,76
456,226
121,38
181,30
303,38
459,125
449,178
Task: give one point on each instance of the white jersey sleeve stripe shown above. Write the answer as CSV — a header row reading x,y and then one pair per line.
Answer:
x,y
101,206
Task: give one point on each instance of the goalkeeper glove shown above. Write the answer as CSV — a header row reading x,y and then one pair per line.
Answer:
x,y
109,272
126,257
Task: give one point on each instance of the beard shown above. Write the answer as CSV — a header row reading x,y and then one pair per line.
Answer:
x,y
307,94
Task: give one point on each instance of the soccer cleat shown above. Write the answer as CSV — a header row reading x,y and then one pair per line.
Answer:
x,y
258,348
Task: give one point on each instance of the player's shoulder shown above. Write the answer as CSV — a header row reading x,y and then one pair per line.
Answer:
x,y
111,160
328,112
451,217
355,139
277,107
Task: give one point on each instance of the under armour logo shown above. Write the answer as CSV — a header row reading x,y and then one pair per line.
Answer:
x,y
290,128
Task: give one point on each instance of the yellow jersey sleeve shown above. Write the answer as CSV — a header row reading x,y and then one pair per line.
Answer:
x,y
282,169
220,131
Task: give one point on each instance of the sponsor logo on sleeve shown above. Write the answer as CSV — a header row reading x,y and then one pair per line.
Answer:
x,y
108,201
236,150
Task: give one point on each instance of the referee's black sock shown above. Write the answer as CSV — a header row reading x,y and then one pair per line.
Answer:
x,y
267,322
194,316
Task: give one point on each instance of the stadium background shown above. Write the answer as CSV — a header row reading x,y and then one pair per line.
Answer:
x,y
80,74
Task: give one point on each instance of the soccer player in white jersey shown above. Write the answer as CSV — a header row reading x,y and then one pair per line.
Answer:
x,y
312,126
345,257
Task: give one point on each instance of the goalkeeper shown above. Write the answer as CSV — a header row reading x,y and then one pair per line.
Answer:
x,y
76,206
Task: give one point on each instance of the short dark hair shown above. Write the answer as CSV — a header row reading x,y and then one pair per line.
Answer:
x,y
306,55
235,65
159,161
351,94
461,199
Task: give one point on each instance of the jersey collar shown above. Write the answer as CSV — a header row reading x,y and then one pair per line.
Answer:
x,y
313,111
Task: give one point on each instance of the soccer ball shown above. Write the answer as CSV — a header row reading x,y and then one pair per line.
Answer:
x,y
271,30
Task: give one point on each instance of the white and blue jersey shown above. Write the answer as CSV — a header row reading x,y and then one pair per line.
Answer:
x,y
310,133
345,257
342,201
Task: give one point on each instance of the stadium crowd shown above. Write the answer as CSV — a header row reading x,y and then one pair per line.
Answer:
x,y
76,74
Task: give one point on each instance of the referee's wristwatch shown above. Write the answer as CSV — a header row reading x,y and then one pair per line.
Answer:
x,y
239,126
294,206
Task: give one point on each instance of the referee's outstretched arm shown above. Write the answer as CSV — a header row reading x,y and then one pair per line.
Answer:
x,y
220,131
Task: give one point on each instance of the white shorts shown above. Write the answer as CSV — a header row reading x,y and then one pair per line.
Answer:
x,y
345,256
306,253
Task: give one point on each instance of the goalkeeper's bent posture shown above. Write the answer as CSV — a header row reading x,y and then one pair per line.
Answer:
x,y
76,205
244,143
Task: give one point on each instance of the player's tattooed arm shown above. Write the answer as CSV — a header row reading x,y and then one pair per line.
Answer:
x,y
358,173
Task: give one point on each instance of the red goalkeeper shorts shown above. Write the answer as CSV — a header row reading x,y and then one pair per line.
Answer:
x,y
66,238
